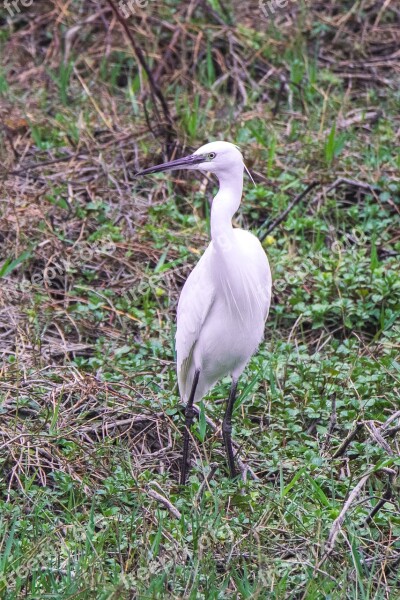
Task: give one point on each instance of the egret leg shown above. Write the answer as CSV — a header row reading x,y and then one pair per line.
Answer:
x,y
227,428
189,414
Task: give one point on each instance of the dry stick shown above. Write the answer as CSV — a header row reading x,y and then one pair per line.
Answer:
x,y
392,431
376,433
43,164
354,183
225,11
281,217
147,119
338,522
392,417
387,494
342,448
153,85
283,85
168,53
391,567
172,509
350,182
213,13
377,436
206,480
113,424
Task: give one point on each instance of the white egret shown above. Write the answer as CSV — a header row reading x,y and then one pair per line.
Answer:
x,y
225,301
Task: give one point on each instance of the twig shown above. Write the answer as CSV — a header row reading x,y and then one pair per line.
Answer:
x,y
107,122
245,468
349,182
153,85
278,97
104,426
389,420
392,431
46,163
167,54
172,509
225,11
281,217
338,522
342,448
354,183
283,86
387,494
375,433
213,13
206,480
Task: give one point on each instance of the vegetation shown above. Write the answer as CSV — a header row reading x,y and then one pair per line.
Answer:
x,y
91,266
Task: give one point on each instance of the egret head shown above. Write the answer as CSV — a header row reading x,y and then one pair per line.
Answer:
x,y
216,157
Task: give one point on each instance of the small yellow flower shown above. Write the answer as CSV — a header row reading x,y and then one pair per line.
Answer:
x,y
269,240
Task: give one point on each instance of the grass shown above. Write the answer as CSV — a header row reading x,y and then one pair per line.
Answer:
x,y
91,265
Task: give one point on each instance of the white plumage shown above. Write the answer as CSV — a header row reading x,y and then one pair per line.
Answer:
x,y
225,300
221,313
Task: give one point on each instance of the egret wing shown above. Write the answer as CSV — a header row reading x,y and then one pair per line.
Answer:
x,y
194,305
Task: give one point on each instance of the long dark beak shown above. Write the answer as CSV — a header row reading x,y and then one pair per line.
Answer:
x,y
179,163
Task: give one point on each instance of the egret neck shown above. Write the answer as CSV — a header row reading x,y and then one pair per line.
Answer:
x,y
224,206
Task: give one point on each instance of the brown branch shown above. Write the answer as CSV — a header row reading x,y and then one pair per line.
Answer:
x,y
338,522
376,434
387,495
367,187
213,13
342,448
163,500
281,217
353,183
392,431
206,480
167,54
155,90
46,163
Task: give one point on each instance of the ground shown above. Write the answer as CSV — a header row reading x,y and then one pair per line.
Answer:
x,y
91,265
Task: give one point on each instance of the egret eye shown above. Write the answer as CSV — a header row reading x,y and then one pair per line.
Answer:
x,y
211,155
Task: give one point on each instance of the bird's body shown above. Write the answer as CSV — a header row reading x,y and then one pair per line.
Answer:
x,y
221,313
225,300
